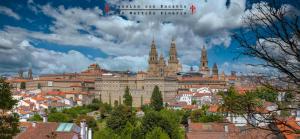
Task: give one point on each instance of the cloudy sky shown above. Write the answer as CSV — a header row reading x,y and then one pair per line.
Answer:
x,y
68,35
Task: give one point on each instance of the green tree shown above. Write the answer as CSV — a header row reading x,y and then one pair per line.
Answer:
x,y
116,103
164,120
109,101
156,99
194,102
36,117
59,117
105,109
118,118
266,93
142,101
8,122
23,85
127,97
90,121
39,86
157,133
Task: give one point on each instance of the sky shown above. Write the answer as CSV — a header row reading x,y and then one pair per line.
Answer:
x,y
68,35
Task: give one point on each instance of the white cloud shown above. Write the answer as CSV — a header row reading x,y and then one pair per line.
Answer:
x,y
126,42
9,12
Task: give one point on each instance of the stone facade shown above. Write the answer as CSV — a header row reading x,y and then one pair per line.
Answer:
x,y
204,63
158,67
111,88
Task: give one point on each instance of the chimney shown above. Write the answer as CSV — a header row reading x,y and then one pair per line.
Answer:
x,y
83,129
45,118
298,115
226,128
90,134
33,124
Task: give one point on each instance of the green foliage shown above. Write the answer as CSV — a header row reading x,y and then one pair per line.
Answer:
x,y
127,131
77,111
118,118
194,102
240,103
35,117
59,117
109,101
6,100
23,85
202,115
93,106
38,86
156,99
8,122
185,117
163,120
267,94
127,97
116,103
106,133
142,100
9,126
157,133
146,108
91,122
105,109
96,101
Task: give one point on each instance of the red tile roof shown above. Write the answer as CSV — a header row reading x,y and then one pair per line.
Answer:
x,y
41,130
287,131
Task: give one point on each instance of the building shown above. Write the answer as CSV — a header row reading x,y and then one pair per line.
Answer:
x,y
46,130
111,88
158,67
202,78
204,63
225,131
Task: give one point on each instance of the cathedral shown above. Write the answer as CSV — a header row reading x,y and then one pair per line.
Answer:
x,y
159,68
157,65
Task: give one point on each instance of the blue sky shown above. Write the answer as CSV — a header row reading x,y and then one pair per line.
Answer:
x,y
68,35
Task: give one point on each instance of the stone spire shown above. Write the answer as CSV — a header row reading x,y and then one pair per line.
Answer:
x,y
215,70
153,54
223,76
29,73
204,62
161,65
173,53
20,73
161,60
191,69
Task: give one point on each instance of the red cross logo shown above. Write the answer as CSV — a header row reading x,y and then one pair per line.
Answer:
x,y
106,9
193,9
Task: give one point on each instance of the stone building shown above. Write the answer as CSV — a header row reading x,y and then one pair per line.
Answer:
x,y
112,87
203,68
158,67
203,78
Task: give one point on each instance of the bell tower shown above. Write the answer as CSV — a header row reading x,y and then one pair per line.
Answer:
x,y
204,63
215,71
153,60
173,63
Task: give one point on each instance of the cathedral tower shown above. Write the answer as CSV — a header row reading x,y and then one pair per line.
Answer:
x,y
173,53
215,72
173,63
30,74
153,61
204,63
